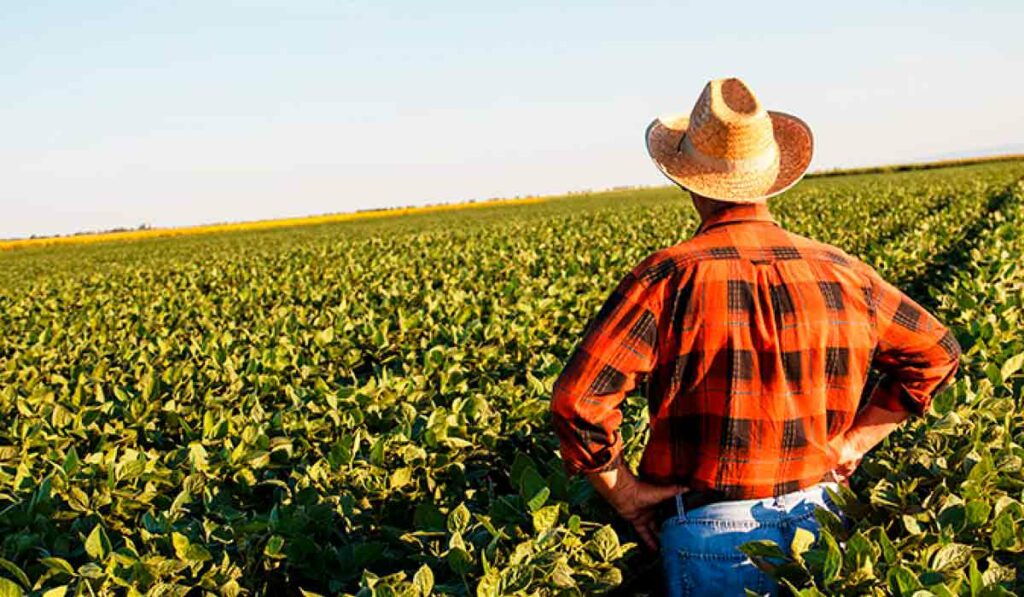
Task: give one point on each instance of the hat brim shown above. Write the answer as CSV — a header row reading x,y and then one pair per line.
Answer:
x,y
796,147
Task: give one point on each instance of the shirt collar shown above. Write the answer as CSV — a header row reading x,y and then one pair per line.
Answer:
x,y
738,212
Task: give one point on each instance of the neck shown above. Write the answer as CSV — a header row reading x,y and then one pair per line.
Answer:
x,y
708,207
713,213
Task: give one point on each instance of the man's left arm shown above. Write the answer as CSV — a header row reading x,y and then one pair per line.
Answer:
x,y
918,356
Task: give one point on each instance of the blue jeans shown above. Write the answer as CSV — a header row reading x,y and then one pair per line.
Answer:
x,y
699,547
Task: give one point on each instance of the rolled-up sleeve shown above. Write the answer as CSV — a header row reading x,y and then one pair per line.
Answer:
x,y
917,355
619,345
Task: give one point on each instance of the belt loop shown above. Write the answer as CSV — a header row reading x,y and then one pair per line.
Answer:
x,y
680,509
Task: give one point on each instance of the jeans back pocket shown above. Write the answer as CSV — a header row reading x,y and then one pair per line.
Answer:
x,y
702,557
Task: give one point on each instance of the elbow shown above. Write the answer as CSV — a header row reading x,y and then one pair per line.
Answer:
x,y
945,369
562,408
952,364
563,398
953,351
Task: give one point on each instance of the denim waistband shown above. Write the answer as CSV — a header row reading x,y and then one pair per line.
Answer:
x,y
758,509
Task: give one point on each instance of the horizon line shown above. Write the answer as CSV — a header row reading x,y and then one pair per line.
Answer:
x,y
146,232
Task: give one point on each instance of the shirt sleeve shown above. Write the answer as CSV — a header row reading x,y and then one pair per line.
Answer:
x,y
618,345
916,354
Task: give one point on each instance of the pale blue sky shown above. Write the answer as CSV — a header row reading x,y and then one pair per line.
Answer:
x,y
171,113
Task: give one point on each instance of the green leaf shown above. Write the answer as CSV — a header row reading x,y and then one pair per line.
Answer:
x,y
533,488
132,469
17,572
181,544
180,501
70,462
324,336
802,541
197,553
977,512
974,579
377,452
536,385
400,477
830,522
763,549
996,573
539,499
605,543
60,591
489,585
424,580
91,570
944,401
574,524
951,556
953,517
1011,366
57,565
545,518
859,553
833,558
520,465
938,590
610,576
903,581
458,519
9,588
459,560
427,517
274,547
1006,504
887,548
561,576
1004,536
993,374
911,525
97,545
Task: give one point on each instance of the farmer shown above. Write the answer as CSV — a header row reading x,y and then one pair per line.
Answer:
x,y
754,346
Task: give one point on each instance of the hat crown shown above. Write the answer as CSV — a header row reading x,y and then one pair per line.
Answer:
x,y
729,147
728,122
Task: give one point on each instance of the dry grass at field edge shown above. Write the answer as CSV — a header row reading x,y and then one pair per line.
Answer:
x,y
129,235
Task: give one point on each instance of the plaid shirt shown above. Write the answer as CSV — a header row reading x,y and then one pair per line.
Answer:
x,y
754,345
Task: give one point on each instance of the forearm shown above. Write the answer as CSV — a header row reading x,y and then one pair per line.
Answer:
x,y
611,484
633,499
872,425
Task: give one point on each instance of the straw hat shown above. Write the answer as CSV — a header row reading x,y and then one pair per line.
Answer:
x,y
730,148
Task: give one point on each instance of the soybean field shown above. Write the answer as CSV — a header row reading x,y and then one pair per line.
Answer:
x,y
361,407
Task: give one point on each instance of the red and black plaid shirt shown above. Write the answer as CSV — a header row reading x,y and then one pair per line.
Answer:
x,y
755,344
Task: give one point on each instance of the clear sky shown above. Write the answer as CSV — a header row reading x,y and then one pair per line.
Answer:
x,y
171,113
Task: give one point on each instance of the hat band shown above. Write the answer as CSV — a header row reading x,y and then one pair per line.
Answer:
x,y
766,160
